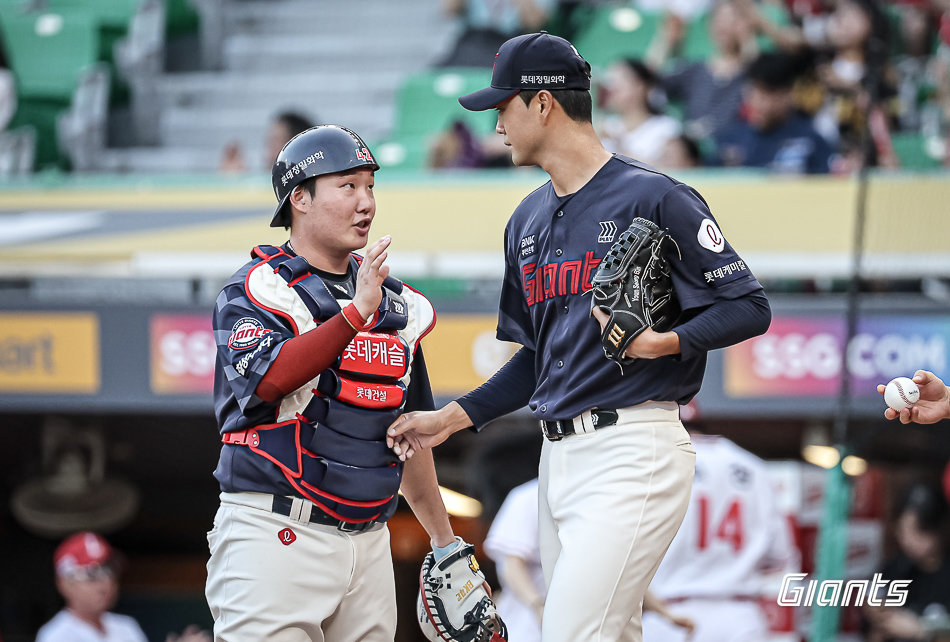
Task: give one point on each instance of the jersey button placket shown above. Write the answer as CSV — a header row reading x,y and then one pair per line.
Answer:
x,y
558,252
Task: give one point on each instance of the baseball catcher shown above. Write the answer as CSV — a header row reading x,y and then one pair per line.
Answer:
x,y
453,603
633,285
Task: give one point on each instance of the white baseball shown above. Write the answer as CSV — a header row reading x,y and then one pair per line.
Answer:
x,y
901,393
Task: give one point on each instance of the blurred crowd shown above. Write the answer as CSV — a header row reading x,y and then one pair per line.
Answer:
x,y
792,86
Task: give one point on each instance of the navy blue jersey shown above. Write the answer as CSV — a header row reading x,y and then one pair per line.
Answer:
x,y
249,338
553,246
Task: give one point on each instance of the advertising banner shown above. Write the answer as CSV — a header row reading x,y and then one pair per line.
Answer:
x,y
182,354
49,353
801,356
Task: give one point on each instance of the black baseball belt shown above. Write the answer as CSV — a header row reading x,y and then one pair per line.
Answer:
x,y
599,418
282,506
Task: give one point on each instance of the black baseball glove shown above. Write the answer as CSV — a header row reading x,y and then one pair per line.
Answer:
x,y
633,285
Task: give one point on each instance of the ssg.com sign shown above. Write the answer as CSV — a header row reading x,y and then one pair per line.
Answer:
x,y
796,591
802,356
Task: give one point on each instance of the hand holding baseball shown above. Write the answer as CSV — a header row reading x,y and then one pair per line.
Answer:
x,y
932,405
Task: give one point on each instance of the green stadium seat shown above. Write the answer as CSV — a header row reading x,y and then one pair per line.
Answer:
x,y
617,31
427,102
180,18
406,152
48,50
912,152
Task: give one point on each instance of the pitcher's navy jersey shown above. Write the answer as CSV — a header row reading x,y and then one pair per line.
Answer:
x,y
249,338
553,246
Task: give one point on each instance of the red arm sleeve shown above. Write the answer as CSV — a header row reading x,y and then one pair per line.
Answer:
x,y
304,357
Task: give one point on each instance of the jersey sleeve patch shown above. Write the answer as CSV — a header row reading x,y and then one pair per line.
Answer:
x,y
710,237
722,274
246,333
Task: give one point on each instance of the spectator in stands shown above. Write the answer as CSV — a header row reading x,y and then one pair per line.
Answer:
x,y
458,147
851,42
681,152
920,532
485,24
284,126
941,77
710,90
773,133
87,578
917,35
635,125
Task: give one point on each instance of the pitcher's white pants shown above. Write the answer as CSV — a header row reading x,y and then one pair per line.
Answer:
x,y
610,502
324,586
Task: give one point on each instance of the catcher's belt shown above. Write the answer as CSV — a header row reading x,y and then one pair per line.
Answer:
x,y
283,506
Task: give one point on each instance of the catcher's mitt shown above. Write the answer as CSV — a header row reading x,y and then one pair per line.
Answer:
x,y
633,285
453,604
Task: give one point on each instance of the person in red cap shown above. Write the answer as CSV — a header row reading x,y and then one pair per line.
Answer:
x,y
86,577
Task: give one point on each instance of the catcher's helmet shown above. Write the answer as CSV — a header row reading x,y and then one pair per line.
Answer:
x,y
324,149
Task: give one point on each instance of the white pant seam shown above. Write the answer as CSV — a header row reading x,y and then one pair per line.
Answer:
x,y
636,532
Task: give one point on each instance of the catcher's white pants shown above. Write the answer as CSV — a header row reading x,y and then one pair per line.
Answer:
x,y
610,502
324,586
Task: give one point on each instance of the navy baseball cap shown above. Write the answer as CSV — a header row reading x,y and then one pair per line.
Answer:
x,y
531,61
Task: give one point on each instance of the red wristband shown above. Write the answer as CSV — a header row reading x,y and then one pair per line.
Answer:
x,y
354,318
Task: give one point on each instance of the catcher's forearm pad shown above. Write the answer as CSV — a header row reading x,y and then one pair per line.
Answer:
x,y
453,605
633,285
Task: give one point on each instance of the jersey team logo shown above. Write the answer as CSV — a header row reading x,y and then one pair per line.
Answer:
x,y
608,230
246,333
710,237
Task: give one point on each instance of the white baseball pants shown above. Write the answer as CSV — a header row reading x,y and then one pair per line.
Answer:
x,y
323,586
610,502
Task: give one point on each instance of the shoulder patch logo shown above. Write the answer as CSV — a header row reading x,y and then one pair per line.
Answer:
x,y
710,237
246,333
608,230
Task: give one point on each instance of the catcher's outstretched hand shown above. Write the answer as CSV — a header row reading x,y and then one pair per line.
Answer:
x,y
649,344
933,405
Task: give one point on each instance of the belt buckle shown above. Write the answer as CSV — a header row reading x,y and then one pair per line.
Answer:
x,y
352,527
558,436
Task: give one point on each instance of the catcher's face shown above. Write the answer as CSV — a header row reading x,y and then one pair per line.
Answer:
x,y
339,215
